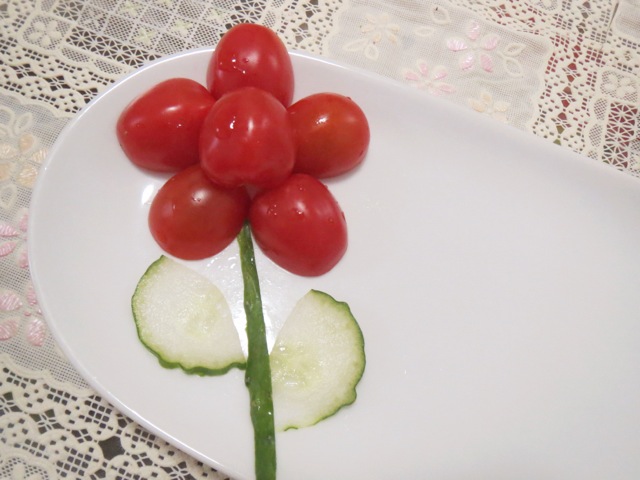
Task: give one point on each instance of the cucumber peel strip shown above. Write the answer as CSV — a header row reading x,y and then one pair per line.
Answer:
x,y
258,369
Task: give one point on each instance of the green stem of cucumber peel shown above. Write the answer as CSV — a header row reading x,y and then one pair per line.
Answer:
x,y
258,372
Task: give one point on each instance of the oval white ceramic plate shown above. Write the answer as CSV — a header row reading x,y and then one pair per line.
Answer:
x,y
494,275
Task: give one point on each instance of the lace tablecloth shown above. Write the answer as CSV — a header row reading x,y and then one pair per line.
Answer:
x,y
568,71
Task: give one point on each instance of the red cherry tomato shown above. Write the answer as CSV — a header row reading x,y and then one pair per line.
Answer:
x,y
159,130
191,218
299,225
246,139
331,133
250,55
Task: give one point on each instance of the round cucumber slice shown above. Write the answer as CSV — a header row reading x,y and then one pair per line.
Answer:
x,y
317,360
185,320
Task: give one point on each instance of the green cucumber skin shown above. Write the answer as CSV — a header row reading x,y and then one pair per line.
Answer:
x,y
258,369
200,371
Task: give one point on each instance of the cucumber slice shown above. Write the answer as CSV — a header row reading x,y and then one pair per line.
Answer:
x,y
185,320
316,362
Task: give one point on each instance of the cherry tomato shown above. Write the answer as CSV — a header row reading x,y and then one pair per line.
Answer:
x,y
191,218
250,55
299,225
246,139
159,130
331,133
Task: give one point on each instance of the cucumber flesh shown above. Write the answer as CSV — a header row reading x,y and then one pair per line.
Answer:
x,y
185,320
317,360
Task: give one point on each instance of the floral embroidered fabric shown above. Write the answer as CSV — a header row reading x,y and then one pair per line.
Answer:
x,y
566,71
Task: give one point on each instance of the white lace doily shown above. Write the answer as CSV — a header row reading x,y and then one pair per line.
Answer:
x,y
566,71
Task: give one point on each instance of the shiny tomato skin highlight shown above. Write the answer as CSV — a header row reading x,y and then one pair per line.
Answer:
x,y
331,133
246,139
159,130
251,55
299,226
191,218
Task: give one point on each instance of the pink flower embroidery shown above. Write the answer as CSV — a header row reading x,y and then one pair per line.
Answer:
x,y
12,239
24,222
23,259
8,328
475,48
7,230
32,300
15,304
428,79
36,332
35,329
9,301
6,248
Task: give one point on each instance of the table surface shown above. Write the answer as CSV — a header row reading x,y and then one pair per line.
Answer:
x,y
565,71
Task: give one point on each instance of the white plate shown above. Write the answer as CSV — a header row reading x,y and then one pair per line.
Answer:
x,y
495,277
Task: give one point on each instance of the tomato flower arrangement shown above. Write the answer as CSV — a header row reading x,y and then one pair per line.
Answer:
x,y
241,151
246,162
